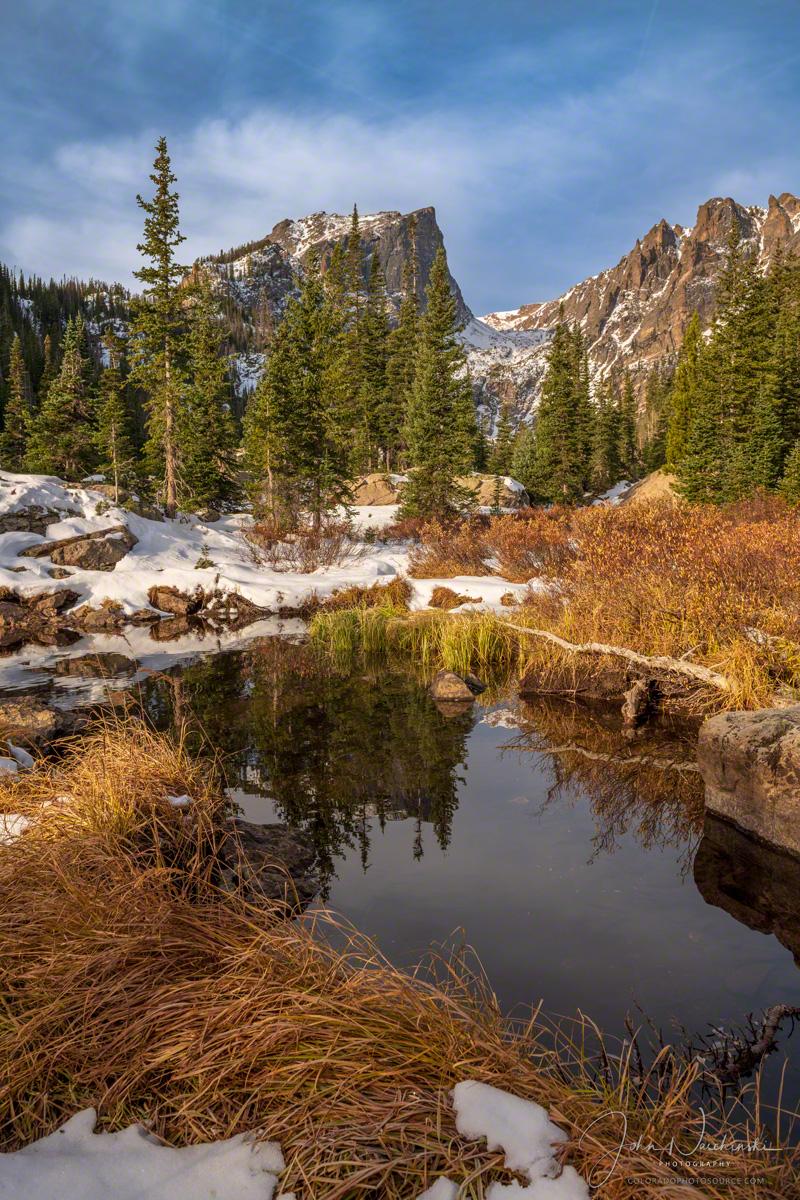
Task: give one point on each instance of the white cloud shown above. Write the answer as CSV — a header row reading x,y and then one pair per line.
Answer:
x,y
575,171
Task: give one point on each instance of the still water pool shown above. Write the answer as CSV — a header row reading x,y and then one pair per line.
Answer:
x,y
570,856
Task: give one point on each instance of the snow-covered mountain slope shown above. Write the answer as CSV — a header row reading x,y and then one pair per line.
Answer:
x,y
505,365
636,313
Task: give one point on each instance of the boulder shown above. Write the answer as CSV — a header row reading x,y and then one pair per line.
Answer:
x,y
208,516
375,489
170,600
51,603
107,619
116,541
34,519
96,554
129,502
487,492
267,862
54,572
451,688
750,762
36,722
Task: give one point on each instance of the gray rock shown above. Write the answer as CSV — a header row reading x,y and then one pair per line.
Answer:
x,y
34,519
267,862
449,687
98,551
750,762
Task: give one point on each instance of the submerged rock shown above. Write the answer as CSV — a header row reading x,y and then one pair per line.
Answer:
x,y
267,862
750,762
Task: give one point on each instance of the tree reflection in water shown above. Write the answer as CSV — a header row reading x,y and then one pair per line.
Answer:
x,y
642,782
332,751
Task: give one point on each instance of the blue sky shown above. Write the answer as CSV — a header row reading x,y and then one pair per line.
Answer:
x,y
547,136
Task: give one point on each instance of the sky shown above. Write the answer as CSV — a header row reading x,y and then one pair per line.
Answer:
x,y
548,137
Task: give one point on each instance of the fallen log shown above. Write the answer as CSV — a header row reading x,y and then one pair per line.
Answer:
x,y
677,666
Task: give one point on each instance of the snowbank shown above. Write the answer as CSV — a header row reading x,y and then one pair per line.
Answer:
x,y
77,1163
167,553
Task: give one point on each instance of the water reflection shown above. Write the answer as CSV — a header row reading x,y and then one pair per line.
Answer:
x,y
333,752
642,783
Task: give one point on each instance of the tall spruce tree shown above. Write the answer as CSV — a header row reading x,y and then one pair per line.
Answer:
x,y
559,434
113,422
440,428
402,345
684,393
628,446
208,436
374,356
502,450
61,438
298,422
159,335
16,417
606,467
523,458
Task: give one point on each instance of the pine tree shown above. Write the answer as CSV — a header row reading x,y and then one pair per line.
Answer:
x,y
440,428
523,458
559,475
112,432
297,422
606,468
684,394
628,449
61,438
790,483
401,365
374,356
16,417
158,341
208,437
500,456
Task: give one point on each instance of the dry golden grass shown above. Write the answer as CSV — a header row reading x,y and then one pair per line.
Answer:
x,y
130,983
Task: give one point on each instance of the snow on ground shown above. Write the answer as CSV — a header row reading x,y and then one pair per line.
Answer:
x,y
527,1135
167,553
612,496
77,1163
135,1165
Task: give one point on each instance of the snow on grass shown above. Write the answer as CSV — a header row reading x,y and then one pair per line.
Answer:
x,y
133,1164
11,826
527,1135
77,1163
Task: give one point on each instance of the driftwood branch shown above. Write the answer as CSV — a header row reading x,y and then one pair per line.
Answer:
x,y
677,666
737,1057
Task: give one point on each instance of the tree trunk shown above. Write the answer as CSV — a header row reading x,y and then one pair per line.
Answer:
x,y
170,454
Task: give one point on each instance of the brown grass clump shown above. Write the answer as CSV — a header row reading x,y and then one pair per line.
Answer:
x,y
397,593
516,546
446,598
131,984
721,587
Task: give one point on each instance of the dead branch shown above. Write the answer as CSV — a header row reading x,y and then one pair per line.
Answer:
x,y
653,662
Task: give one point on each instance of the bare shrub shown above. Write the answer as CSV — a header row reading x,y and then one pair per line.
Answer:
x,y
302,550
452,548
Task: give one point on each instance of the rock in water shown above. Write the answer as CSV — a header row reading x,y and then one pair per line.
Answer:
x,y
170,600
750,762
450,687
267,862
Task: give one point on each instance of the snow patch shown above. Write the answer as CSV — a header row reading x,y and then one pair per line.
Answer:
x,y
78,1163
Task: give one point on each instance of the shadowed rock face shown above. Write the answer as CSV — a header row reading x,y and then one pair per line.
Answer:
x,y
750,763
757,885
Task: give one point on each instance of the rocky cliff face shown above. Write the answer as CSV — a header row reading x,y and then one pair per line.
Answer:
x,y
636,313
633,315
269,267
